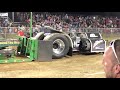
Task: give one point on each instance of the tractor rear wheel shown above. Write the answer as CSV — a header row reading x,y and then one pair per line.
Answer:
x,y
60,45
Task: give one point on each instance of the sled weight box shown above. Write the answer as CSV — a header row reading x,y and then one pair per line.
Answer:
x,y
45,50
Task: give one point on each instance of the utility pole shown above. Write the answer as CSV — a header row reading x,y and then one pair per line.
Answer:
x,y
30,24
13,16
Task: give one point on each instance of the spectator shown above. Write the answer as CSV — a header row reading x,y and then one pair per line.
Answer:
x,y
20,32
111,60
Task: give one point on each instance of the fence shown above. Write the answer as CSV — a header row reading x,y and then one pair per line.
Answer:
x,y
100,30
106,32
11,32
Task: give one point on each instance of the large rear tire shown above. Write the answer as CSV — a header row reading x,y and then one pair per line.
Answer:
x,y
60,45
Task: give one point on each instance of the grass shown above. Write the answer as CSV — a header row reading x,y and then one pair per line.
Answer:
x,y
12,36
110,37
8,36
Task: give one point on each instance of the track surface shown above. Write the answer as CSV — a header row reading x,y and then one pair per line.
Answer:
x,y
77,66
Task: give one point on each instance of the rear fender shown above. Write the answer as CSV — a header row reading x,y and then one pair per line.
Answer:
x,y
70,46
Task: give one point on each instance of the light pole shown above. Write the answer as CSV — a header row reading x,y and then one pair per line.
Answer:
x,y
30,24
13,16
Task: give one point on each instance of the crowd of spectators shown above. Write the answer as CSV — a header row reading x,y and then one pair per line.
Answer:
x,y
68,21
71,20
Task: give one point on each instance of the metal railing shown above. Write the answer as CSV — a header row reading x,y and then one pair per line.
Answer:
x,y
105,31
100,30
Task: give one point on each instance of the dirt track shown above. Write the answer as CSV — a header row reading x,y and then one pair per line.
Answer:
x,y
78,66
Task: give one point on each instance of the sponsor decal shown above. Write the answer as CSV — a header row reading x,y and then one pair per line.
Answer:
x,y
9,42
98,48
93,35
97,45
97,42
